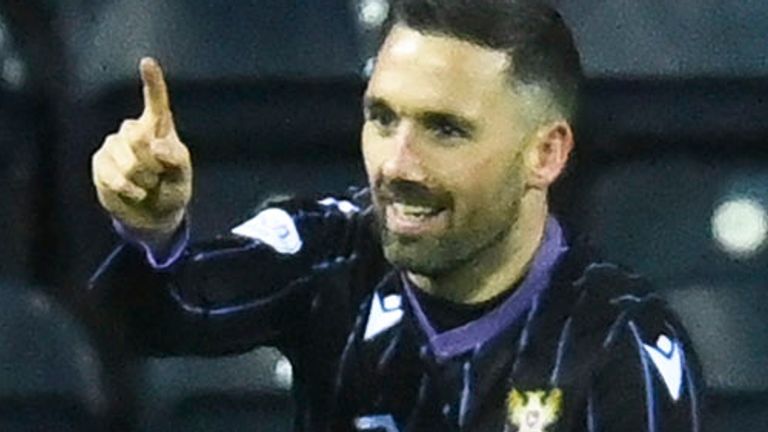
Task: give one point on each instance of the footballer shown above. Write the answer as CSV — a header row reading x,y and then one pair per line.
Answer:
x,y
444,296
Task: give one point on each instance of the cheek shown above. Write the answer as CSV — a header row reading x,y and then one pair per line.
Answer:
x,y
474,175
371,150
489,187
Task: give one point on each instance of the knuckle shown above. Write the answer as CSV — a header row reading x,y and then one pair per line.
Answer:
x,y
128,125
183,150
129,170
96,159
111,142
112,182
132,132
97,176
128,161
101,183
99,164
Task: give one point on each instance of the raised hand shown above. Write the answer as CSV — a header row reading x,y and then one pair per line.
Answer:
x,y
143,173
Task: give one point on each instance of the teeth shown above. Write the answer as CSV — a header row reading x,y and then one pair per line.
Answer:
x,y
413,210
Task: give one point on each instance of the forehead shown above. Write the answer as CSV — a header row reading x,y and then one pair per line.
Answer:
x,y
438,72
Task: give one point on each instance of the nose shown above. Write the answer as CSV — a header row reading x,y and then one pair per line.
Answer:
x,y
404,162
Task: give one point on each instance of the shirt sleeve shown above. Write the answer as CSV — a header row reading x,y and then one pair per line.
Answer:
x,y
157,256
650,381
250,286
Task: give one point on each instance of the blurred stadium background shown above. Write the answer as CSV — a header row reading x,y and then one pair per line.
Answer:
x,y
670,178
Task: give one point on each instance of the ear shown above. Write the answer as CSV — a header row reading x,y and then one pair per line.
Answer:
x,y
547,155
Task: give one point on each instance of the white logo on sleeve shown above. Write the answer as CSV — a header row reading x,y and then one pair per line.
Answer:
x,y
668,360
344,206
274,227
376,423
383,315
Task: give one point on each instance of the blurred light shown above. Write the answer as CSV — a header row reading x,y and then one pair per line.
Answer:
x,y
14,73
283,373
739,226
373,13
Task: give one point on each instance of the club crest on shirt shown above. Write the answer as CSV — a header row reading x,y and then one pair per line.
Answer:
x,y
533,411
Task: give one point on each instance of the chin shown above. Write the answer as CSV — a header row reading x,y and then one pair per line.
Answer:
x,y
438,256
425,257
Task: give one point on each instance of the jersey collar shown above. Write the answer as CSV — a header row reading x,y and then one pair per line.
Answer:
x,y
476,333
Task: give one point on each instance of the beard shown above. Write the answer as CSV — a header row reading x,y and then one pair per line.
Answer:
x,y
472,229
458,246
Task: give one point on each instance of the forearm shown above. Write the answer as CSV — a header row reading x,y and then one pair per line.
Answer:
x,y
197,299
194,305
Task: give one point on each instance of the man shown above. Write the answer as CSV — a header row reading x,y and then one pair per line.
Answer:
x,y
444,296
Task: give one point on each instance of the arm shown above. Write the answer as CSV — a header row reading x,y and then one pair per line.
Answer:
x,y
251,286
651,380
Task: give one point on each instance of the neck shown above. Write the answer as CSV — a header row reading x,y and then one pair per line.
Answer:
x,y
498,267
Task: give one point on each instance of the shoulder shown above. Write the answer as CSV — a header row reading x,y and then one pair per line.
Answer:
x,y
597,294
628,303
636,306
641,370
353,201
288,223
614,308
643,328
619,325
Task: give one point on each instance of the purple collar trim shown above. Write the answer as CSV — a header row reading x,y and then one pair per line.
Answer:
x,y
464,338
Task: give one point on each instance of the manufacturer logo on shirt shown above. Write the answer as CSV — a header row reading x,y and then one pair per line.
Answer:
x,y
533,411
666,356
385,313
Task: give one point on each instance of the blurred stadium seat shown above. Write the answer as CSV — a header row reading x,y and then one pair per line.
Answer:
x,y
19,159
244,392
50,375
654,210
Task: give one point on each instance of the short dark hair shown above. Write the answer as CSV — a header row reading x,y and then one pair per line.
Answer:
x,y
532,33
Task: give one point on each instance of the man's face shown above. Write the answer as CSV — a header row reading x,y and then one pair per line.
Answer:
x,y
443,146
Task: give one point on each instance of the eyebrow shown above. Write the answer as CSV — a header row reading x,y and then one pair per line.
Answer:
x,y
370,103
425,117
431,118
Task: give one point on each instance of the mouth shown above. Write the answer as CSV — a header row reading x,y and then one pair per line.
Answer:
x,y
412,209
415,219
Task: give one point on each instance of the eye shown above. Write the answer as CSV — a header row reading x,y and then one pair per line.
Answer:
x,y
383,117
446,128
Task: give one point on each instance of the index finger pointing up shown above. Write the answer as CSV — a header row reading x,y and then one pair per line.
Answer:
x,y
156,103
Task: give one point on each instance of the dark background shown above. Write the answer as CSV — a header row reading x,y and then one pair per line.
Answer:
x,y
266,93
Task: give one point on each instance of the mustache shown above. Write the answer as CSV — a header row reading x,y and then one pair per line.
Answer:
x,y
411,192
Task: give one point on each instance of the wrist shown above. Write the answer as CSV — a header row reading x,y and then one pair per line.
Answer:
x,y
154,230
161,247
